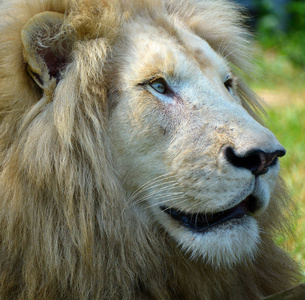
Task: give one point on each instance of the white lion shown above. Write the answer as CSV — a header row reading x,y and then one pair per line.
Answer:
x,y
133,164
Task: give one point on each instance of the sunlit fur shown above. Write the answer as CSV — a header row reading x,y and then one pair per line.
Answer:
x,y
80,196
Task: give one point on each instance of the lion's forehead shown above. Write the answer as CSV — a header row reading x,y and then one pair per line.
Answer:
x,y
176,53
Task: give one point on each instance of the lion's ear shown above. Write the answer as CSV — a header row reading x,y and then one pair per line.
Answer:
x,y
46,48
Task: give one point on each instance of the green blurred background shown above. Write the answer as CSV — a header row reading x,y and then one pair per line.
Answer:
x,y
279,29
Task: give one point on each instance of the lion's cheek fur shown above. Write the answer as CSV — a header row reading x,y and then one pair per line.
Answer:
x,y
134,145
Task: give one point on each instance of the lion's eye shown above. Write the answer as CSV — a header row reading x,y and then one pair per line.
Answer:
x,y
160,86
229,84
159,89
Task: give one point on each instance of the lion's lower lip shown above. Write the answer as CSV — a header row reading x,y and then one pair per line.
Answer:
x,y
200,222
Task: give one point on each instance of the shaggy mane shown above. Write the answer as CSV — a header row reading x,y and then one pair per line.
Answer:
x,y
67,231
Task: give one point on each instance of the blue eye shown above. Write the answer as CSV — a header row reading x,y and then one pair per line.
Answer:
x,y
159,85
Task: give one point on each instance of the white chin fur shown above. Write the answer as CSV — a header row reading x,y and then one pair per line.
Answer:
x,y
222,246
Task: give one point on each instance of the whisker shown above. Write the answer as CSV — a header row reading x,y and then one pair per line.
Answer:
x,y
166,201
153,183
164,196
182,197
167,187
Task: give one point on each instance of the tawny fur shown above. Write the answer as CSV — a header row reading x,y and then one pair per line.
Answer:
x,y
67,231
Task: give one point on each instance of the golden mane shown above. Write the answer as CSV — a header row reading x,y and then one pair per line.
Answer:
x,y
67,231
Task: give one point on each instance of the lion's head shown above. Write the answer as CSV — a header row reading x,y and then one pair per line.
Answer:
x,y
131,141
187,151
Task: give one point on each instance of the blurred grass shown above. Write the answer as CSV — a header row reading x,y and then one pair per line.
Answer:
x,y
276,71
285,82
288,124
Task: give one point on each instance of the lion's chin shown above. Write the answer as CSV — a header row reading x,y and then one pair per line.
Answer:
x,y
226,245
222,239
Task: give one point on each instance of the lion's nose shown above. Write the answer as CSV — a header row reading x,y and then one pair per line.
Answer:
x,y
257,161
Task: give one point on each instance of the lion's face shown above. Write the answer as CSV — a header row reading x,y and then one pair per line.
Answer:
x,y
189,155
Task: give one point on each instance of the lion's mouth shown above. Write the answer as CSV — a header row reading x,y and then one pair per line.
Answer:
x,y
200,222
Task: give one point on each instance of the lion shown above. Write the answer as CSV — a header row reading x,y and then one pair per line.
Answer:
x,y
134,163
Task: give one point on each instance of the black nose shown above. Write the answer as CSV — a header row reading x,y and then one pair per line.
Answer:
x,y
257,161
